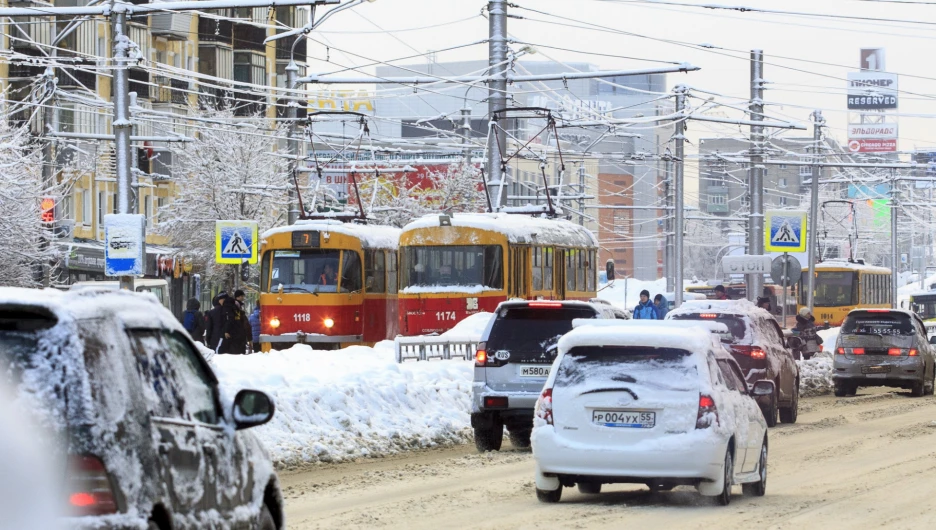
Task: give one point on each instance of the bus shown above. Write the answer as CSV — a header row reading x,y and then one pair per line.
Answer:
x,y
923,303
452,266
328,284
845,285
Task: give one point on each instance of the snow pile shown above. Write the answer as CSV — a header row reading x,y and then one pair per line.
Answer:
x,y
626,293
356,402
816,375
470,328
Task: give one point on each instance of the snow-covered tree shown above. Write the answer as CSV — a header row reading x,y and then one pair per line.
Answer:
x,y
232,171
24,239
457,188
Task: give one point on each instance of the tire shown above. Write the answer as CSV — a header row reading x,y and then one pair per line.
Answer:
x,y
932,386
589,488
266,521
520,438
852,389
759,488
918,389
789,414
489,439
724,498
549,496
841,388
770,412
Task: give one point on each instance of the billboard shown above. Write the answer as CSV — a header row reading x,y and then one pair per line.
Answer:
x,y
872,145
872,91
872,130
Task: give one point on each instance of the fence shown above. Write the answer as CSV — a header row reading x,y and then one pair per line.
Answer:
x,y
426,348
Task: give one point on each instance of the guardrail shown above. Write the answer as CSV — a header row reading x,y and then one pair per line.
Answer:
x,y
426,348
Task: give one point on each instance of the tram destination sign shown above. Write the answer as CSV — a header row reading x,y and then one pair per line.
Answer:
x,y
305,239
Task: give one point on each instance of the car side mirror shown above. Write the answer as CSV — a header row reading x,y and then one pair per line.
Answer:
x,y
932,339
764,387
252,408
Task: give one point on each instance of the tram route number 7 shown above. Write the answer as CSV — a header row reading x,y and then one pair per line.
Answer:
x,y
445,315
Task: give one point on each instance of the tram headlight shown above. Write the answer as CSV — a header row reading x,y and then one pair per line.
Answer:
x,y
274,322
329,323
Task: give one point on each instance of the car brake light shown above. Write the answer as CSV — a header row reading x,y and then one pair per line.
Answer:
x,y
878,310
707,412
545,304
757,353
481,355
913,352
840,351
894,351
543,409
858,351
708,315
495,402
90,491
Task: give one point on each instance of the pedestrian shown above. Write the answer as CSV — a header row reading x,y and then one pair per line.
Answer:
x,y
214,322
193,320
720,293
235,326
808,334
255,328
764,303
662,305
645,310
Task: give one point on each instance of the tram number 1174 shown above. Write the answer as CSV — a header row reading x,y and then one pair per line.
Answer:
x,y
445,315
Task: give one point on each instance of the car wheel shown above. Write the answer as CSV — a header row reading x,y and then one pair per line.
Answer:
x,y
918,389
841,388
520,438
489,439
590,488
266,521
549,496
789,414
724,497
759,488
770,411
932,386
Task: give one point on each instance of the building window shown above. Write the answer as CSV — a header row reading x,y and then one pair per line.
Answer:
x,y
783,166
805,171
783,201
781,182
102,208
745,200
250,68
622,222
716,199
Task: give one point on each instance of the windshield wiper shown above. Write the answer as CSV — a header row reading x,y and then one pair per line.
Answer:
x,y
297,288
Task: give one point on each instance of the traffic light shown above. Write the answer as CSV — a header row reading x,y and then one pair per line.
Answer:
x,y
245,271
47,205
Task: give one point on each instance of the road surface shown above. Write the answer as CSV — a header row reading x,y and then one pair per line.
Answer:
x,y
860,462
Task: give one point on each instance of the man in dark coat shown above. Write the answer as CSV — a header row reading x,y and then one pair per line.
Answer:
x,y
193,320
214,322
235,327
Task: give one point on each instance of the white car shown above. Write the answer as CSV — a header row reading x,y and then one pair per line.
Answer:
x,y
655,403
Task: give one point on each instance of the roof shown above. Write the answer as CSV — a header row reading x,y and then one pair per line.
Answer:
x,y
371,236
521,229
882,310
842,264
134,309
731,307
683,335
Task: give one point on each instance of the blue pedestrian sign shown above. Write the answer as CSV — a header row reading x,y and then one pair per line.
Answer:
x,y
235,242
124,244
785,231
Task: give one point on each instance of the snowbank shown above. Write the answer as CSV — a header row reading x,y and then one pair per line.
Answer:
x,y
816,375
470,328
626,293
339,405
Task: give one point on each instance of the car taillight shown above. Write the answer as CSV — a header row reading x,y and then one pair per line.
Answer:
x,y
89,490
708,315
894,351
913,352
495,402
707,412
840,351
544,406
554,305
481,354
754,352
852,351
757,353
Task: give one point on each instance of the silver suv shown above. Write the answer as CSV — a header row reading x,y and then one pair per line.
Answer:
x,y
513,361
883,347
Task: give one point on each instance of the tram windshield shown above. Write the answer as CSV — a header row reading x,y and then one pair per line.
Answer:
x,y
315,271
462,266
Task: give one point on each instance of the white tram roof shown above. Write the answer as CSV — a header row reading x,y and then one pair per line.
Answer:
x,y
518,228
371,236
843,264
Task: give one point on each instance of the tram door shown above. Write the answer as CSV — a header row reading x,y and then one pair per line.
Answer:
x,y
559,276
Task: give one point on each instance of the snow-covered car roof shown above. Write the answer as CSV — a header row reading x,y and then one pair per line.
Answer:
x,y
906,312
683,335
134,309
371,236
731,307
518,228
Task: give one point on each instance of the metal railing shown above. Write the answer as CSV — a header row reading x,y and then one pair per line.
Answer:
x,y
427,348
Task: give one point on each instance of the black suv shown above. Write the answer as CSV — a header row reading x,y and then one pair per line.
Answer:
x,y
148,440
513,361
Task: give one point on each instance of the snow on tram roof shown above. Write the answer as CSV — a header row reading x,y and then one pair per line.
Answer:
x,y
371,236
842,264
518,228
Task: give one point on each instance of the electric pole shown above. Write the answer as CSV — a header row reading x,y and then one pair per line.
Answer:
x,y
581,201
292,147
678,212
895,258
756,176
122,124
668,223
813,223
497,94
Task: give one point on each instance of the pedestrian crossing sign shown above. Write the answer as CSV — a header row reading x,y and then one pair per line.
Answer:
x,y
785,231
236,242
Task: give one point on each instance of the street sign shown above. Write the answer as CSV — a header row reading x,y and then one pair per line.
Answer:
x,y
124,244
236,241
788,266
872,90
785,231
746,264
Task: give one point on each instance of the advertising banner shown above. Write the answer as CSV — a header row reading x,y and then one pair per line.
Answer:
x,y
872,130
872,145
872,91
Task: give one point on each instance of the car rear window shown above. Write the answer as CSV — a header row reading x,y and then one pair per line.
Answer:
x,y
878,324
19,340
533,329
607,366
736,324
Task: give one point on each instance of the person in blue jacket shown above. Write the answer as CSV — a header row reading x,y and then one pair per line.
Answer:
x,y
662,306
645,310
254,320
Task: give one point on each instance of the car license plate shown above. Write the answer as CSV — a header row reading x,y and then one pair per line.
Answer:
x,y
535,371
624,418
880,369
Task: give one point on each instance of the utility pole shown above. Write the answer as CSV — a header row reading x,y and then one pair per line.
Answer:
x,y
497,94
678,212
895,258
122,124
292,147
466,134
813,224
581,201
756,176
668,223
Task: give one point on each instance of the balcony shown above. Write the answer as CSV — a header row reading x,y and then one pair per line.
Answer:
x,y
139,82
248,104
22,30
171,91
25,71
213,30
173,26
81,75
248,37
284,46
